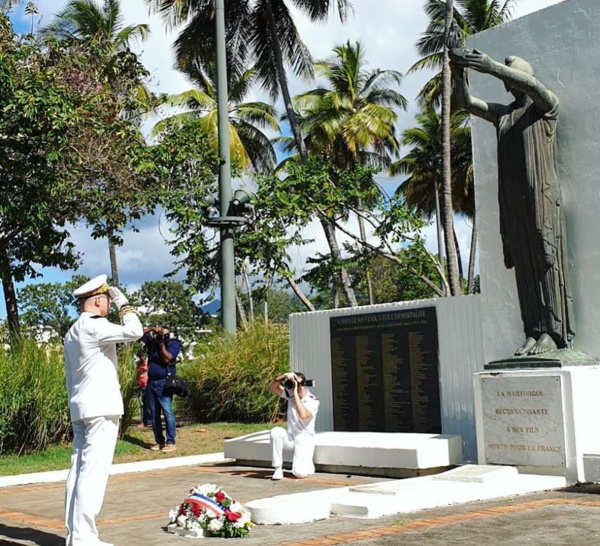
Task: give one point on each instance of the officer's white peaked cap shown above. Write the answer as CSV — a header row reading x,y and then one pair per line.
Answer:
x,y
95,286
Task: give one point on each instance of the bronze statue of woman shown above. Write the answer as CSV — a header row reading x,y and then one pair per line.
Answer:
x,y
531,219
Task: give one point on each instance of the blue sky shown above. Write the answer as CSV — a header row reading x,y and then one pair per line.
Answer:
x,y
387,28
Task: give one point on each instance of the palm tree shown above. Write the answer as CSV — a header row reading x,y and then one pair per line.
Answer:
x,y
447,28
250,147
351,121
470,17
100,30
262,33
423,166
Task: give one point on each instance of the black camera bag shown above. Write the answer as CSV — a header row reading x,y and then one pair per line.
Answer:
x,y
176,385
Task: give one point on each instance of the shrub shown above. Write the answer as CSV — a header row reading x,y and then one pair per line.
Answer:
x,y
127,378
33,397
229,377
34,409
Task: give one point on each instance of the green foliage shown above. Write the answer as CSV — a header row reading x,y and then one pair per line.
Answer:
x,y
229,378
33,398
394,283
127,378
250,148
351,120
275,302
185,167
169,303
50,304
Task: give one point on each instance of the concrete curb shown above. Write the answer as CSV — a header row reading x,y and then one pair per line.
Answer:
x,y
123,468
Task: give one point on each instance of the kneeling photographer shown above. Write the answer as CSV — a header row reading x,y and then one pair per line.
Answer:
x,y
299,435
163,351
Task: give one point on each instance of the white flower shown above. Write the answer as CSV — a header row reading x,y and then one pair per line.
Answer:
x,y
173,515
215,525
181,520
206,489
246,516
236,507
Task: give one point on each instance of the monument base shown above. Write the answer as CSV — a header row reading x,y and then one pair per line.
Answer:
x,y
561,358
539,420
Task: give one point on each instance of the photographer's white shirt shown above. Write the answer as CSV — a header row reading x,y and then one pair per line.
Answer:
x,y
295,425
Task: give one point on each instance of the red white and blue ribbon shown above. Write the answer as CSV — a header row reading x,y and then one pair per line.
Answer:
x,y
204,502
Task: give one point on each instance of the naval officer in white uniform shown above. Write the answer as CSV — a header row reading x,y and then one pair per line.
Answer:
x,y
299,434
95,403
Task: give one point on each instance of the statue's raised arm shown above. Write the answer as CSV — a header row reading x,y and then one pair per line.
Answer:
x,y
516,74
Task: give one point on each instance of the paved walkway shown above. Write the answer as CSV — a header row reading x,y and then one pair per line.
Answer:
x,y
136,507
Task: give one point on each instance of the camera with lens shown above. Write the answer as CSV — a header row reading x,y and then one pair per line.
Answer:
x,y
161,338
290,383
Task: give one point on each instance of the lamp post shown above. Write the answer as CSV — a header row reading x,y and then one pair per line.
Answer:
x,y
227,279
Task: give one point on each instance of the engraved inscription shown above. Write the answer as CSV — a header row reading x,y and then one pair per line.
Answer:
x,y
384,370
523,421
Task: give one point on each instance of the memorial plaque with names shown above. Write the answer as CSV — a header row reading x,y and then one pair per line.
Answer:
x,y
384,369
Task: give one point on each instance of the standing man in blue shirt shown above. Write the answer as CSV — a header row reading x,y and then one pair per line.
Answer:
x,y
163,351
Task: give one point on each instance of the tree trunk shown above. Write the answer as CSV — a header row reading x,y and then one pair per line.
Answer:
x,y
295,127
461,274
448,213
283,86
249,291
10,297
335,251
472,252
240,310
114,270
363,238
296,289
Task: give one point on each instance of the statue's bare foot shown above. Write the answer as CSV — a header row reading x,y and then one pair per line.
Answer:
x,y
526,347
544,344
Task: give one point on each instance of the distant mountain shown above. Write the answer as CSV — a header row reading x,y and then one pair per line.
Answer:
x,y
212,308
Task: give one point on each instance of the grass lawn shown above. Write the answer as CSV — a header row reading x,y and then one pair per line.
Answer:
x,y
191,440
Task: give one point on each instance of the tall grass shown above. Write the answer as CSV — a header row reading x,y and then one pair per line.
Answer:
x,y
229,378
33,397
127,378
34,409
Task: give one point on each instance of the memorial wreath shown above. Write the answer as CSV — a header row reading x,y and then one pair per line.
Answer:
x,y
210,511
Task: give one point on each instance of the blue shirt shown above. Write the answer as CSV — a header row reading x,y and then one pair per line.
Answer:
x,y
157,369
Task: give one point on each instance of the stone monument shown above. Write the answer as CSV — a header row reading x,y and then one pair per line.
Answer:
x,y
537,409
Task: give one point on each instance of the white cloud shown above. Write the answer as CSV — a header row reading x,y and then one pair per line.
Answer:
x,y
388,29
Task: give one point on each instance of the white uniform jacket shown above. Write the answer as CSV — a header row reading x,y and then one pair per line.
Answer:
x,y
91,364
295,425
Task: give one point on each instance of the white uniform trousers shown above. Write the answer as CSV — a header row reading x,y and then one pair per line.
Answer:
x,y
94,442
303,445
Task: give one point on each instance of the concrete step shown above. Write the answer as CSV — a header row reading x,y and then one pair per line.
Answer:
x,y
384,453
464,484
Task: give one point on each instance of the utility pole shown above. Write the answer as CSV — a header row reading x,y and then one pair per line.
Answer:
x,y
228,316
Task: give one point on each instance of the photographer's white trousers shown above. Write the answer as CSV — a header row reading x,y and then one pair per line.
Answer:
x,y
94,442
303,445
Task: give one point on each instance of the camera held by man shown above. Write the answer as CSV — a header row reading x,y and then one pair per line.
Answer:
x,y
299,434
